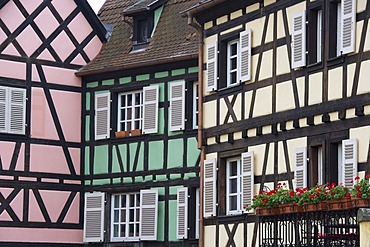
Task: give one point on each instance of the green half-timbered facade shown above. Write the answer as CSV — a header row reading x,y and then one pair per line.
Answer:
x,y
285,100
140,118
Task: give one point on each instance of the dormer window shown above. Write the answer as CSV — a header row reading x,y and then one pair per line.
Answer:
x,y
145,14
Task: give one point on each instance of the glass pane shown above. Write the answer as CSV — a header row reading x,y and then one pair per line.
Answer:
x,y
233,202
142,30
233,49
132,200
129,99
233,169
123,114
233,63
123,100
116,216
123,215
137,200
137,124
131,230
137,112
129,126
233,185
129,114
137,98
115,230
123,126
123,230
137,230
137,215
116,201
132,216
232,77
123,201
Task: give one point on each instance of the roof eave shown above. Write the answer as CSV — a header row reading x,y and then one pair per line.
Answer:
x,y
199,7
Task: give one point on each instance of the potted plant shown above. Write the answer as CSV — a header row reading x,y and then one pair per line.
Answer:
x,y
314,198
339,197
361,192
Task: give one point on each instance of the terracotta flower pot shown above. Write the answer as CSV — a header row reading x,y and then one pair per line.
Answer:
x,y
120,134
136,132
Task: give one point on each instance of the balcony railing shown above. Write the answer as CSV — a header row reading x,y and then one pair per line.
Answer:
x,y
316,228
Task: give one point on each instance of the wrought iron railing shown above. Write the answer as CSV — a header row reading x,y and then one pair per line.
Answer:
x,y
303,229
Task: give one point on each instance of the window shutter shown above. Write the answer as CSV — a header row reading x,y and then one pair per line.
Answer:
x,y
17,110
209,187
94,217
150,118
248,178
148,214
349,159
3,110
300,171
245,55
177,105
102,116
299,40
211,67
348,24
182,213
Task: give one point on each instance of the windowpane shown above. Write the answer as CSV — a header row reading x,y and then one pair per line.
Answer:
x,y
116,216
233,49
115,230
233,185
233,203
131,230
132,200
123,230
142,31
116,201
132,215
130,113
233,168
123,201
123,215
123,100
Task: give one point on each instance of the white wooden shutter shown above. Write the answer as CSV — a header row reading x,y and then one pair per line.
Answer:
x,y
148,214
248,178
212,67
182,213
102,116
177,105
94,217
209,187
299,40
245,55
300,171
150,118
3,109
17,110
349,159
348,25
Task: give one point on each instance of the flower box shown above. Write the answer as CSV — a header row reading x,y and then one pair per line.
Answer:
x,y
267,211
311,207
136,132
121,134
360,203
339,204
290,208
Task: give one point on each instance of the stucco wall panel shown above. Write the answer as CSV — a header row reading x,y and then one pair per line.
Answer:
x,y
210,236
362,135
44,158
284,96
93,47
61,76
283,65
350,76
266,65
30,6
63,45
259,156
24,40
11,16
41,235
209,118
363,83
63,7
263,103
315,89
257,30
11,50
80,27
335,83
12,69
6,153
46,22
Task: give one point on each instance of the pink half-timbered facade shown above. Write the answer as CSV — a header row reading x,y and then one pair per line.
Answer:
x,y
42,45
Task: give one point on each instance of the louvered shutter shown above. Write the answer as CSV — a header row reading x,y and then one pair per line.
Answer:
x,y
94,217
150,118
177,105
299,40
348,24
148,214
102,116
211,67
3,109
182,213
209,187
300,171
248,178
349,159
245,55
17,110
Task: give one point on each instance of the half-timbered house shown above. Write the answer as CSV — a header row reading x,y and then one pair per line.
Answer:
x,y
42,45
140,126
285,100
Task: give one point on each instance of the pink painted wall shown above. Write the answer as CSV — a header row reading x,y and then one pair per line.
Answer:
x,y
46,22
12,69
80,27
41,235
11,16
64,7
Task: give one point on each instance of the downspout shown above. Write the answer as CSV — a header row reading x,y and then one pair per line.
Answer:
x,y
130,24
199,30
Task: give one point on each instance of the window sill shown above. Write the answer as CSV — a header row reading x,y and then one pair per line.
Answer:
x,y
126,133
336,60
232,88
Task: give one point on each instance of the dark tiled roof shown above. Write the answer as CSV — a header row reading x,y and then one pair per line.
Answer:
x,y
173,39
140,5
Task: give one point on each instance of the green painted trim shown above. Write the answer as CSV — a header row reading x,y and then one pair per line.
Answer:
x,y
115,163
160,223
156,155
88,101
92,84
108,82
190,175
161,74
174,176
87,128
160,121
161,178
172,218
157,15
142,77
87,160
161,91
173,189
193,152
101,181
193,70
175,153
101,159
125,80
178,72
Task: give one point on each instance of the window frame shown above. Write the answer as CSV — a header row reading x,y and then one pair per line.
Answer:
x,y
133,105
229,58
315,41
239,190
149,18
136,222
195,101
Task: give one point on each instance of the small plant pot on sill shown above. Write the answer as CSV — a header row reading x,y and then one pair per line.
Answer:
x,y
136,132
121,134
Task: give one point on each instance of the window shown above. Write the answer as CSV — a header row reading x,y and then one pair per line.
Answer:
x,y
130,111
234,61
142,34
329,161
315,39
12,110
335,29
195,105
126,217
134,216
233,186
